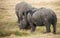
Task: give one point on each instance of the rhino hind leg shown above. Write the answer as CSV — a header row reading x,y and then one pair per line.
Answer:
x,y
48,28
54,22
54,27
47,24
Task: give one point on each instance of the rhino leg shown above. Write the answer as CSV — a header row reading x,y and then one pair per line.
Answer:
x,y
54,28
48,28
18,16
18,20
47,24
33,27
54,22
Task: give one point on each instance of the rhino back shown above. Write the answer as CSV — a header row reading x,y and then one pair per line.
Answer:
x,y
40,15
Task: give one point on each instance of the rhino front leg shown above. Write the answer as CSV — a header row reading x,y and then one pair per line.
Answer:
x,y
33,27
17,13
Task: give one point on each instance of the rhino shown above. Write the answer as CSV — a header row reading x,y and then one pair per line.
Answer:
x,y
24,24
41,17
21,10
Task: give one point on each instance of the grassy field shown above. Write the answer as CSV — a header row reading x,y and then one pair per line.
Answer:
x,y
8,20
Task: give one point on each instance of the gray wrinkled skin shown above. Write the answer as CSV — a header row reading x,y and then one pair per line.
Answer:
x,y
41,17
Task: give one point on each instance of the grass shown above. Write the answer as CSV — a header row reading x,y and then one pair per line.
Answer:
x,y
18,33
4,33
8,28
